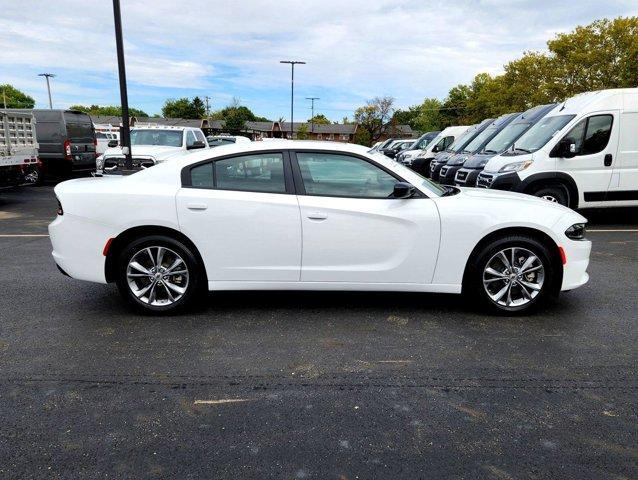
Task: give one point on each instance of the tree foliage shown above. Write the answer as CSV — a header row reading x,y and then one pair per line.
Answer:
x,y
319,119
375,117
184,108
302,132
108,110
14,97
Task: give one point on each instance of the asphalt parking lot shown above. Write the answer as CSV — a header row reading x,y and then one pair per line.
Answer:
x,y
313,385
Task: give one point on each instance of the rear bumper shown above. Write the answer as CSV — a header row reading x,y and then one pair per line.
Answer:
x,y
77,247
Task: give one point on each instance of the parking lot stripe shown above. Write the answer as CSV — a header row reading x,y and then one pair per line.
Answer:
x,y
22,235
222,401
634,230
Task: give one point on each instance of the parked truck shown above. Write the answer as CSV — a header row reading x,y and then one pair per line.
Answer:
x,y
18,148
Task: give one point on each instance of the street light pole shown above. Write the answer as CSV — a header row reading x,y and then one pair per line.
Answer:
x,y
292,92
125,131
47,76
312,112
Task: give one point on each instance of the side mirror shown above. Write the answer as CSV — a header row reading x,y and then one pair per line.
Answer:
x,y
403,190
197,144
565,148
112,143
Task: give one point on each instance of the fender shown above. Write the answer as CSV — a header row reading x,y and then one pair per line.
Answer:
x,y
552,176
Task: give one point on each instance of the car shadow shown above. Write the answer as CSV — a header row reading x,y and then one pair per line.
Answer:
x,y
626,216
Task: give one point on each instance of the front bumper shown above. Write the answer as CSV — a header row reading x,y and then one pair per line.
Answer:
x,y
435,169
499,181
575,270
466,177
448,173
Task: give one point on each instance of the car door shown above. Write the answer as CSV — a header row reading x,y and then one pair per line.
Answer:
x,y
354,231
242,214
596,141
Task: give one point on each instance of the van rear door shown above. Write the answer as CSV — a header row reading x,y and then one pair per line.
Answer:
x,y
81,139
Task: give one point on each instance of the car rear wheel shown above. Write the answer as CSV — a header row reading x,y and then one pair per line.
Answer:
x,y
513,275
158,275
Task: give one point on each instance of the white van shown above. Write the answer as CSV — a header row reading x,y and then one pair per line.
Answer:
x,y
420,163
583,154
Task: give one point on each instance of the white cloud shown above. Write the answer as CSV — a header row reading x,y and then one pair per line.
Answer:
x,y
356,49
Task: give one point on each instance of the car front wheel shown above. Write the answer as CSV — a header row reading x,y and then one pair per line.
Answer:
x,y
513,275
158,275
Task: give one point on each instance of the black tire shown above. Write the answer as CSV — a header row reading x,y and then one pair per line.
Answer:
x,y
193,286
553,193
475,288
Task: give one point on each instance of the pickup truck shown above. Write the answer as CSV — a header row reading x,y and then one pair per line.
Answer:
x,y
151,145
18,148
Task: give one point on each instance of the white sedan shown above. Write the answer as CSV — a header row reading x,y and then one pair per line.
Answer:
x,y
311,216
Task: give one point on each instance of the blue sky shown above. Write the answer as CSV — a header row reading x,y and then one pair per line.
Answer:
x,y
355,49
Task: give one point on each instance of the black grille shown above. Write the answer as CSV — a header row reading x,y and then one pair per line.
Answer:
x,y
484,180
461,175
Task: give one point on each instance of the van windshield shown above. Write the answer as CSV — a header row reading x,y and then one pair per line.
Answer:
x,y
505,137
475,144
461,140
167,138
541,133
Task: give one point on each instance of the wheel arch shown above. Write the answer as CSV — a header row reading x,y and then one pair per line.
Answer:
x,y
537,234
125,237
533,182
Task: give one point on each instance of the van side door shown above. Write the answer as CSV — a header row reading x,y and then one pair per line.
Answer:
x,y
595,138
624,184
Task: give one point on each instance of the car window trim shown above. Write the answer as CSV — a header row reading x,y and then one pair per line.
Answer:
x,y
301,189
288,180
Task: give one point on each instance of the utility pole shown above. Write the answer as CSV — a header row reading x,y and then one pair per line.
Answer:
x,y
125,131
292,92
312,114
47,76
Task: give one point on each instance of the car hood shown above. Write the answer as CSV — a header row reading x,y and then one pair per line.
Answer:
x,y
481,194
478,160
458,159
156,151
442,157
499,161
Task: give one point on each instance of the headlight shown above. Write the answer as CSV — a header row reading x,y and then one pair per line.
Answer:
x,y
516,167
99,162
576,231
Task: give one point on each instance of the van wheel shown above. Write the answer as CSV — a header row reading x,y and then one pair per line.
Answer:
x,y
512,275
158,275
555,194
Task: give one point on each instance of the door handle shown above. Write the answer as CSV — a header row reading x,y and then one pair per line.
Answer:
x,y
317,216
197,206
608,160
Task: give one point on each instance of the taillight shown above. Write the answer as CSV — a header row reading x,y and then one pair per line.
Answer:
x,y
60,211
67,149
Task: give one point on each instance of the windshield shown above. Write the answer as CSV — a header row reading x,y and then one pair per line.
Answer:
x,y
168,138
537,136
505,137
422,143
479,140
216,142
461,140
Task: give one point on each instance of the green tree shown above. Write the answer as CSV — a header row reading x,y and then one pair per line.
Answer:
x,y
429,117
319,119
453,111
302,132
108,110
375,116
362,136
234,121
183,108
14,97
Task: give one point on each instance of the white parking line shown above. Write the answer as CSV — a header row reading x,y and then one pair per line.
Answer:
x,y
17,235
635,230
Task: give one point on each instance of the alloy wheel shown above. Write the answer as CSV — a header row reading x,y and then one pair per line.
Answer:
x,y
157,276
513,277
550,198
